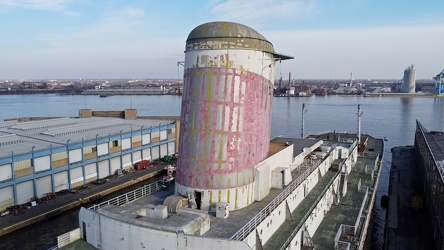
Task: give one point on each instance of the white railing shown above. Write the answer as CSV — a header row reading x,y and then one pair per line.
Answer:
x,y
342,245
368,169
361,210
348,230
339,244
130,196
295,231
123,199
338,235
242,233
68,238
309,212
351,230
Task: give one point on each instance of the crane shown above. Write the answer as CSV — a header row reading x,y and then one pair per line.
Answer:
x,y
439,85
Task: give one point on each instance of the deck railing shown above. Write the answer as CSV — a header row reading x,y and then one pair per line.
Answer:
x,y
120,200
131,196
352,230
309,212
242,233
67,238
361,210
339,244
299,226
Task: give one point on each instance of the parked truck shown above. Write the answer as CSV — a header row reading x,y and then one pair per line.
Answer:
x,y
142,165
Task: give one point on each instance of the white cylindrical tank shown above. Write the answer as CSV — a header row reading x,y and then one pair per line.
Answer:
x,y
226,113
409,82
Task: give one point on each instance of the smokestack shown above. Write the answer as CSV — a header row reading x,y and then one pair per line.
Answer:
x,y
222,138
289,79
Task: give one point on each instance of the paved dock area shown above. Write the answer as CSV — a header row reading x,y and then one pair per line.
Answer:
x,y
68,200
408,223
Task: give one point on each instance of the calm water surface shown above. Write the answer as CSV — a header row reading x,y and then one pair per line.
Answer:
x,y
390,117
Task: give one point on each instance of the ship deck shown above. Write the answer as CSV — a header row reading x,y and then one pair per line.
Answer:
x,y
346,212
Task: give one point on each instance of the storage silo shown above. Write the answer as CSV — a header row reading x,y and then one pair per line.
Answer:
x,y
226,113
409,81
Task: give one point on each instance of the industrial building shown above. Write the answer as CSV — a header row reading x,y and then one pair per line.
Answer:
x,y
235,188
409,81
429,155
41,156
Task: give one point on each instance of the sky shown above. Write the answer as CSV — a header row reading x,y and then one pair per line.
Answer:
x,y
144,39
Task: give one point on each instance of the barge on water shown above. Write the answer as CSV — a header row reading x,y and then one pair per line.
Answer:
x,y
416,194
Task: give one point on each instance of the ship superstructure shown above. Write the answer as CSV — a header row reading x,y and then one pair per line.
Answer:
x,y
316,192
235,188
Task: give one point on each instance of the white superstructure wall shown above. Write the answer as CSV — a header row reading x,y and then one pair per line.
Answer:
x,y
275,218
104,232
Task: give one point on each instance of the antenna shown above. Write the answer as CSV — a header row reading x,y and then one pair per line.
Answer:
x,y
178,64
303,120
351,79
178,81
289,79
359,123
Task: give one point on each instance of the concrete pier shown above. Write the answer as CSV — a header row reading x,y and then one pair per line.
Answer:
x,y
68,200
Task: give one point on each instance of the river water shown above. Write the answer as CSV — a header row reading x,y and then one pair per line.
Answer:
x,y
390,117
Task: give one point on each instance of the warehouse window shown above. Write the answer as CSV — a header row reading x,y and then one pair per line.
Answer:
x,y
115,143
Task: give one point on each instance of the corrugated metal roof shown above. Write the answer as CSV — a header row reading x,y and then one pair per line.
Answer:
x,y
22,137
43,124
83,128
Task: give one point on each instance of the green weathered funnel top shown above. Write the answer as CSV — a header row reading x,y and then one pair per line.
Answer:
x,y
228,35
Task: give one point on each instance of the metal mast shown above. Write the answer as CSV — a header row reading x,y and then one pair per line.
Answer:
x,y
289,80
351,79
303,120
359,123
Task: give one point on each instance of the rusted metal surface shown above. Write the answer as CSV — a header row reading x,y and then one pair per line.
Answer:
x,y
226,112
226,106
223,35
225,127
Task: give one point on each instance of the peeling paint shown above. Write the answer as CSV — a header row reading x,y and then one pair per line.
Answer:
x,y
226,111
234,138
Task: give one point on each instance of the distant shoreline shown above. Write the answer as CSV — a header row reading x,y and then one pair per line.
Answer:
x,y
81,92
32,92
112,93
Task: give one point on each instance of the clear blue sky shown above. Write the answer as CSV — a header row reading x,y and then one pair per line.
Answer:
x,y
374,39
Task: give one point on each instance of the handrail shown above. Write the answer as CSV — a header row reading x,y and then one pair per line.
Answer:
x,y
131,196
242,233
119,201
295,231
308,213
